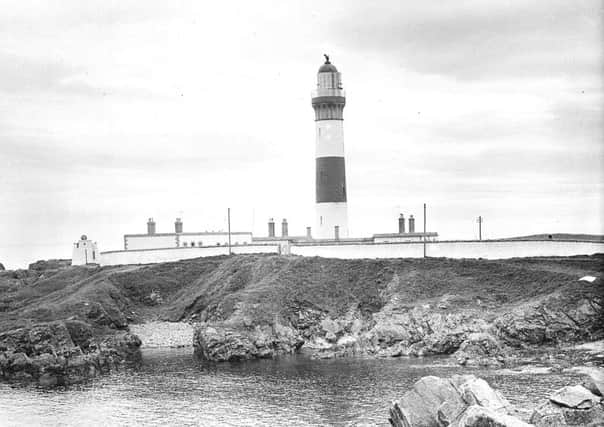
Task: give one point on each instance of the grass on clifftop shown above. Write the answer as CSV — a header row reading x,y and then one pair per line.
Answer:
x,y
259,288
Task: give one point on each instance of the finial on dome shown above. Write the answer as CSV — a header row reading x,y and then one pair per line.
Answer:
x,y
327,67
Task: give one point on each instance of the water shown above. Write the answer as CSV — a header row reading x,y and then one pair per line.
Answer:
x,y
172,388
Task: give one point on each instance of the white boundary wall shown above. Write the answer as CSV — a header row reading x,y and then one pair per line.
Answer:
x,y
453,249
349,250
151,256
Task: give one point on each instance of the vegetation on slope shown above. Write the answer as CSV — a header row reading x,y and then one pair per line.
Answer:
x,y
256,288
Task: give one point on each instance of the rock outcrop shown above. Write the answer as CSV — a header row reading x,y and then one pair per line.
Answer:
x,y
481,349
569,406
460,401
62,353
220,343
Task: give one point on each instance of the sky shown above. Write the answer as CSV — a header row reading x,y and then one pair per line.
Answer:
x,y
112,112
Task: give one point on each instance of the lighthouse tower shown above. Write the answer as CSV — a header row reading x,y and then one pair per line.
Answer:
x,y
328,101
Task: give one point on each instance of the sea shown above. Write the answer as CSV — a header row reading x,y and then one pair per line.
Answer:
x,y
172,388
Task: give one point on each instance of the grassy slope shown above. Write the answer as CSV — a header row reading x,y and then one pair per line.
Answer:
x,y
267,286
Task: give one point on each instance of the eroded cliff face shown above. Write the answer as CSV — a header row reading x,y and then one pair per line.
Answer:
x,y
474,337
491,325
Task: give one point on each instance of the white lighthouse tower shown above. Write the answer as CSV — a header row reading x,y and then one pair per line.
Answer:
x,y
328,101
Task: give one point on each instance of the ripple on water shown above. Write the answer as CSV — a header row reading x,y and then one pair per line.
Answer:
x,y
171,387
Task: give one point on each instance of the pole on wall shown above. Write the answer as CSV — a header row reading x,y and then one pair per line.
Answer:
x,y
229,225
479,221
424,230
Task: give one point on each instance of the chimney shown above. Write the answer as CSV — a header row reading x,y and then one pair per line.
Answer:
x,y
178,226
401,224
308,233
150,226
411,224
336,232
284,228
271,227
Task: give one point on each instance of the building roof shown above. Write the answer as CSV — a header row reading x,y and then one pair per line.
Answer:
x,y
415,234
199,233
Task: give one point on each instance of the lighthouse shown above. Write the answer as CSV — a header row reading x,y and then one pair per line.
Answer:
x,y
328,101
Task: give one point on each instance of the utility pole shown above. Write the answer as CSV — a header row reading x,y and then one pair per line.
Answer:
x,y
424,230
229,224
479,221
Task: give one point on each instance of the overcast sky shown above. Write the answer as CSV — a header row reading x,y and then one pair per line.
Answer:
x,y
115,111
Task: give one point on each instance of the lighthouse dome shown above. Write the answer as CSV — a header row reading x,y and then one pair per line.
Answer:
x,y
328,67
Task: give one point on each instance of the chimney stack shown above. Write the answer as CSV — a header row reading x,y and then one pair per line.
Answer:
x,y
150,226
271,227
284,228
308,233
401,224
336,232
411,224
178,226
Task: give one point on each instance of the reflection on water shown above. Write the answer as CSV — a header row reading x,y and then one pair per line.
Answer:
x,y
172,388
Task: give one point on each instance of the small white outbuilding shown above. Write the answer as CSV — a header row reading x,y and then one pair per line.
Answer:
x,y
84,252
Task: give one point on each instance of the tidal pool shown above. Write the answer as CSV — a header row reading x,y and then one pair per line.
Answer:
x,y
173,388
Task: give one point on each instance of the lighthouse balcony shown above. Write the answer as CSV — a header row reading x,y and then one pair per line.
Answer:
x,y
322,92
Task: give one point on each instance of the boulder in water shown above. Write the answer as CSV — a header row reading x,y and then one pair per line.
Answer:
x,y
220,343
594,380
569,406
480,416
480,349
436,402
577,397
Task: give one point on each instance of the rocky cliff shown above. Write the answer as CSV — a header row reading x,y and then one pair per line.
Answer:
x,y
249,306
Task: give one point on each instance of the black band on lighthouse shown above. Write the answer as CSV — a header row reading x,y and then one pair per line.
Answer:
x,y
331,180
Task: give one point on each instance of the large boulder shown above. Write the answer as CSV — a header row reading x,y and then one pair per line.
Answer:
x,y
436,402
574,397
480,349
569,406
479,416
221,343
424,399
476,391
594,379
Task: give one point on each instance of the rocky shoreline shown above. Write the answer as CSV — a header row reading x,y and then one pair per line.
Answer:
x,y
468,401
62,353
472,337
60,323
